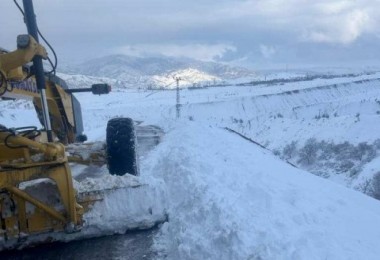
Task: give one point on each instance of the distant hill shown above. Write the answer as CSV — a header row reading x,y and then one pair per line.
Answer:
x,y
156,72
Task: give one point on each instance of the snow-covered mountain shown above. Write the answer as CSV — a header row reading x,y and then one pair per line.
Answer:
x,y
116,66
155,72
82,81
125,72
188,78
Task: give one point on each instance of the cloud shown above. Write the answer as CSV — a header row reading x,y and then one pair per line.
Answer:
x,y
323,21
267,51
342,28
334,7
205,52
202,29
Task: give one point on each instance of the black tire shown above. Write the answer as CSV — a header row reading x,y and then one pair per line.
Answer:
x,y
121,147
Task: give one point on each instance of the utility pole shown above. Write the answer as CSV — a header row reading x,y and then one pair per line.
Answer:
x,y
178,104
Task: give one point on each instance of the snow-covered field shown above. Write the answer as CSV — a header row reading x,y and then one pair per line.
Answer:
x,y
228,198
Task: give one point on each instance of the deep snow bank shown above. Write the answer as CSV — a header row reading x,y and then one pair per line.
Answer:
x,y
229,199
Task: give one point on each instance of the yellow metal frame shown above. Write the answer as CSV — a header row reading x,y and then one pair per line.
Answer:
x,y
26,160
59,102
52,164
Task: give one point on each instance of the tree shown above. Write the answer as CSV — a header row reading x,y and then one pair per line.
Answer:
x,y
376,186
289,150
308,153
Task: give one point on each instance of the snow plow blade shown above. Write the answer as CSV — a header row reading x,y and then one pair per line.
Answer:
x,y
106,205
45,198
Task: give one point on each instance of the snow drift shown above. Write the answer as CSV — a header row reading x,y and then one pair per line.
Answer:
x,y
229,199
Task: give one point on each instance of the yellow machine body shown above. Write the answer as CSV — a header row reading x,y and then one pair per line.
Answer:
x,y
21,212
16,84
28,161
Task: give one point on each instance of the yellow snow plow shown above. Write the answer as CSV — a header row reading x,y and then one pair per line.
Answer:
x,y
37,193
23,161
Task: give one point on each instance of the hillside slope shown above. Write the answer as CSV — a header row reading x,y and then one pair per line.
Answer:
x,y
116,66
153,72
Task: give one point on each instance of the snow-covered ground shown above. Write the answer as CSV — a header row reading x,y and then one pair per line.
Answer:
x,y
228,198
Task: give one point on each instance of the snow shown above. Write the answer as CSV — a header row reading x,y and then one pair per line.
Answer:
x,y
230,199
189,78
138,207
367,173
226,198
122,71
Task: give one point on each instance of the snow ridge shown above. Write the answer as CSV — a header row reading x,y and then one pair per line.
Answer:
x,y
232,200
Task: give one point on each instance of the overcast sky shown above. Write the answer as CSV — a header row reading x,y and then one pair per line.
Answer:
x,y
260,33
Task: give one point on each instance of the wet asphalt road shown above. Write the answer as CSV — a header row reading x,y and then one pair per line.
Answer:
x,y
133,245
